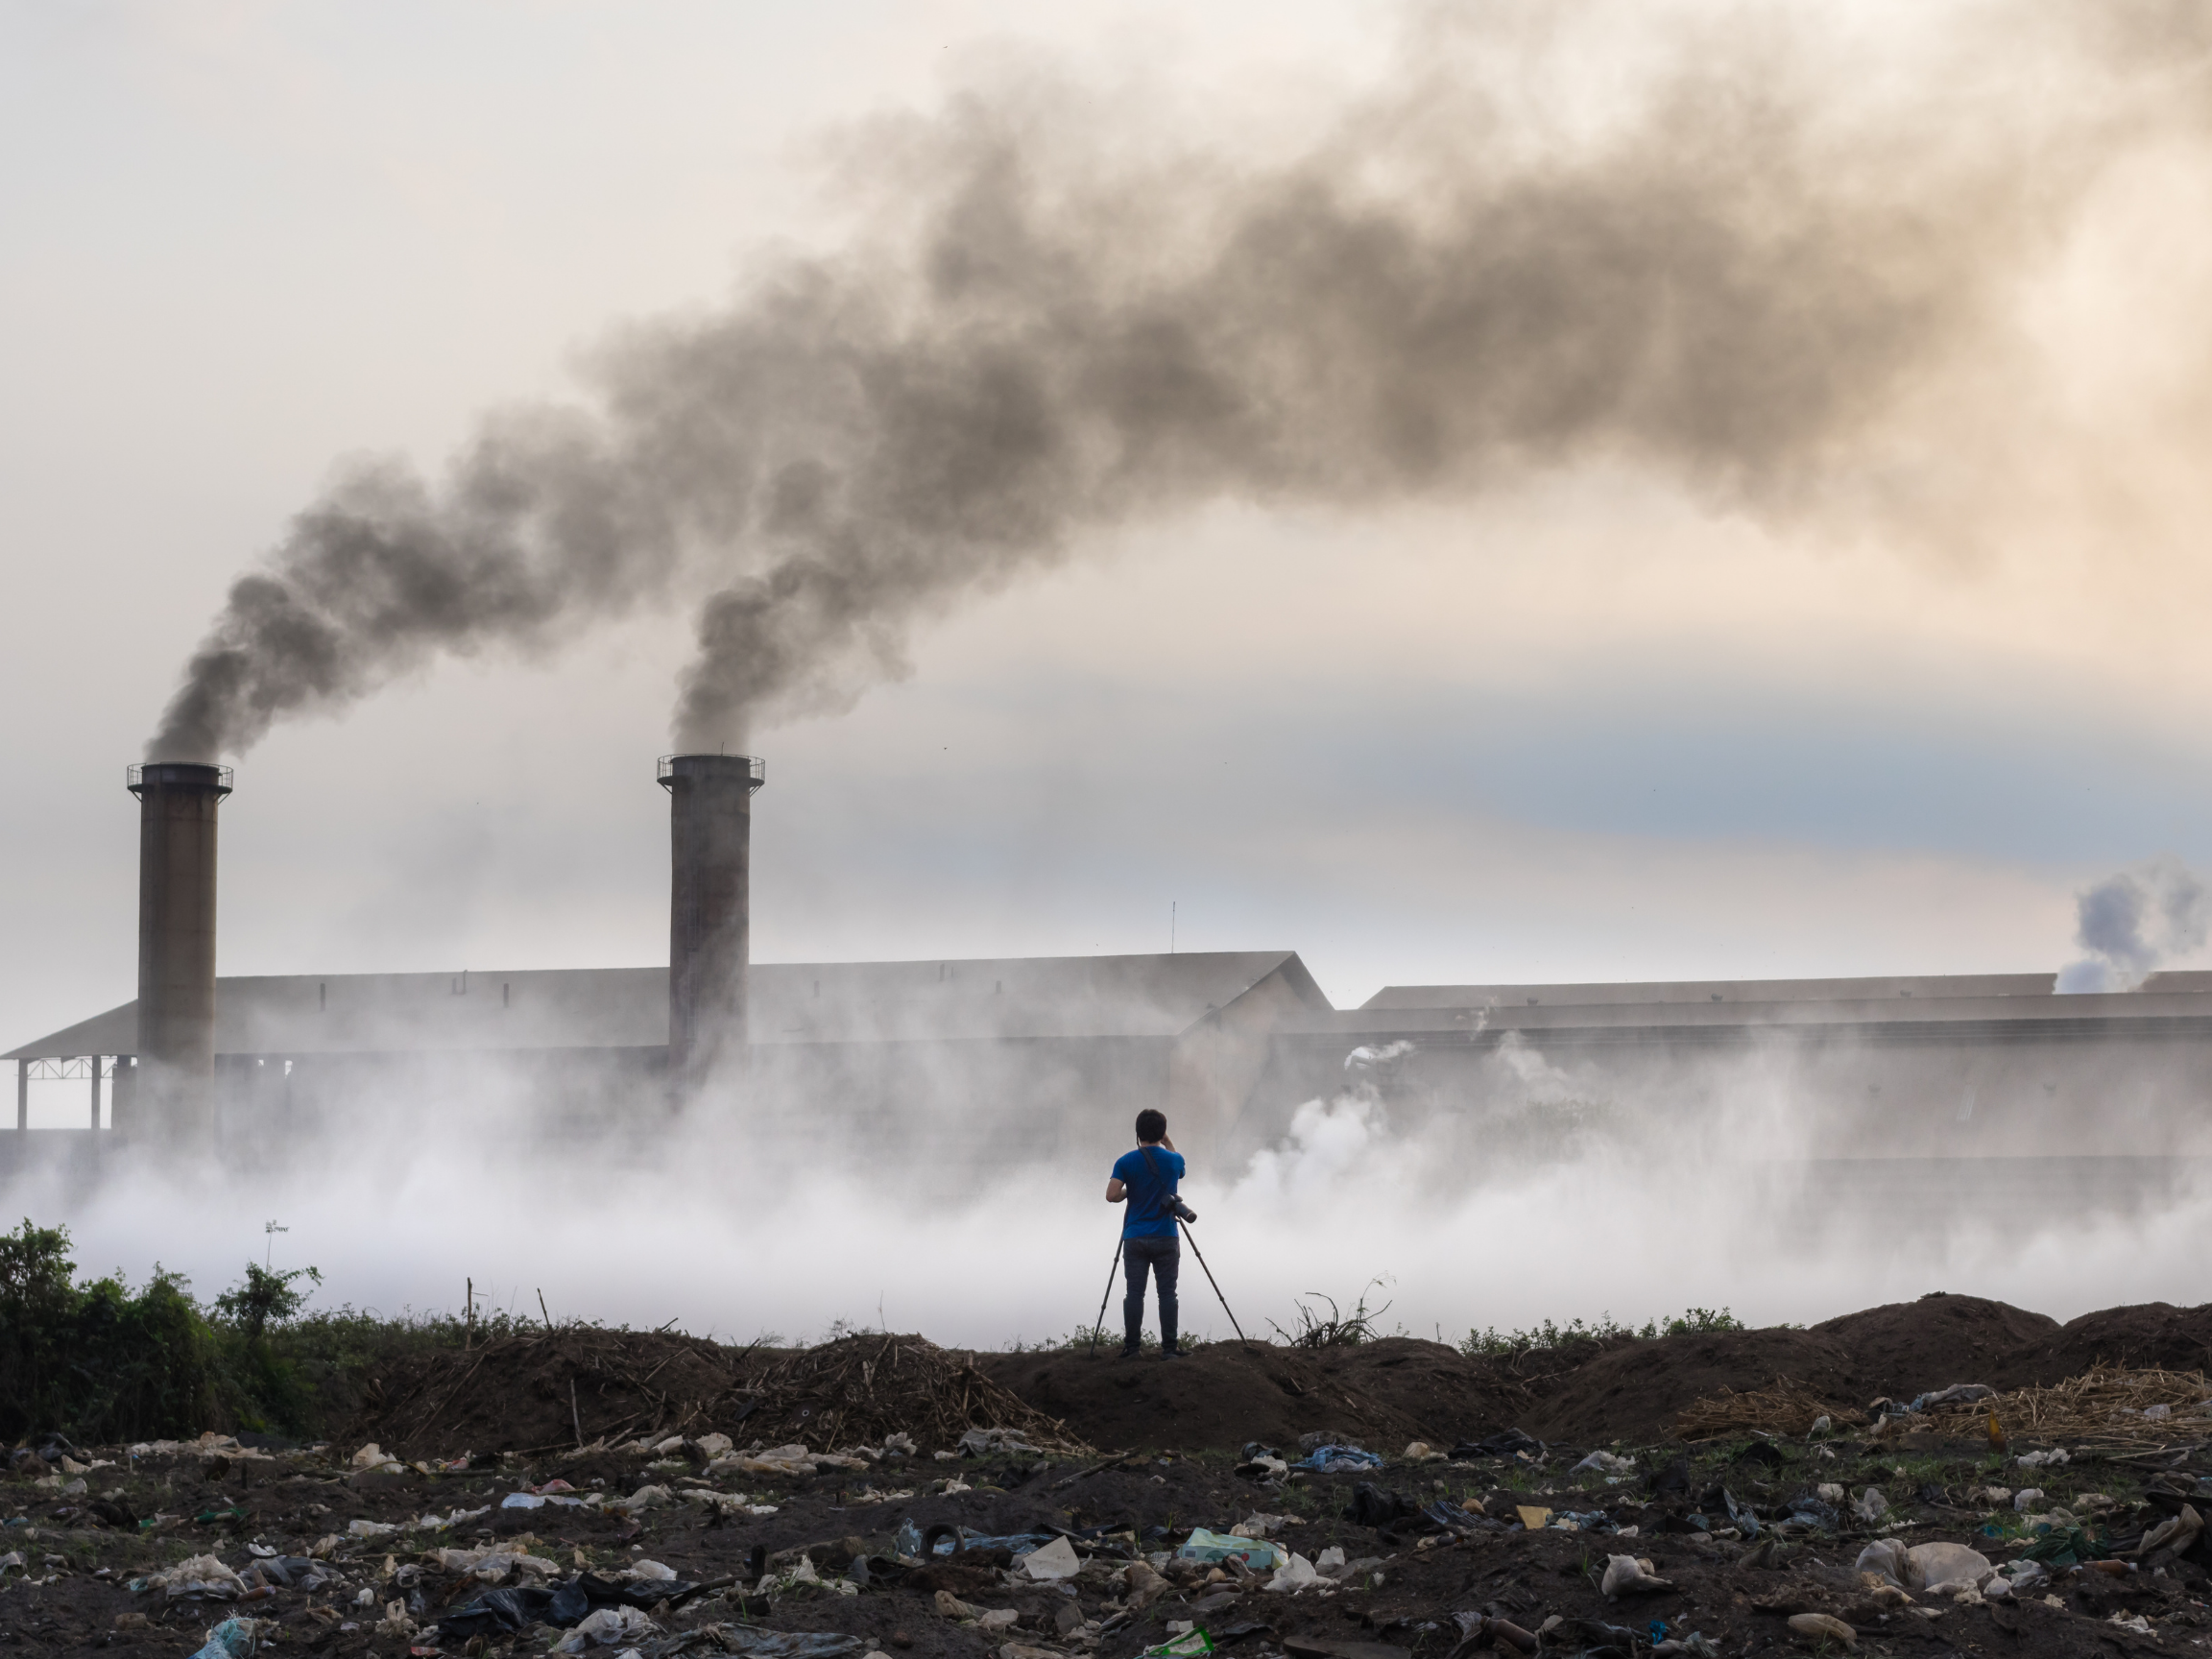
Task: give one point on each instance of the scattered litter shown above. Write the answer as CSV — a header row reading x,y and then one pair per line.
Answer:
x,y
1058,1560
1626,1575
2042,1459
1421,1451
203,1576
1293,1575
233,1639
607,1628
1185,1647
1604,1464
2027,1498
1957,1394
1338,1460
1871,1505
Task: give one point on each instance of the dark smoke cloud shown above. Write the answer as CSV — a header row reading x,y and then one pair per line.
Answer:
x,y
1735,281
2132,924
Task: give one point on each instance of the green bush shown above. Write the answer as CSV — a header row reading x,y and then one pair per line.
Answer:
x,y
104,1363
1692,1321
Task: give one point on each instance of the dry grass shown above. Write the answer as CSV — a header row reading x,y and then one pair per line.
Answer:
x,y
2100,1407
857,1390
1785,1407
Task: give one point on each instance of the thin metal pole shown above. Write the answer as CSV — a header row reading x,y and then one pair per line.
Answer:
x,y
22,1096
1107,1297
95,1070
1217,1296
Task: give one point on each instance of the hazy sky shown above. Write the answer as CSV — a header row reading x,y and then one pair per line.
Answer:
x,y
1587,726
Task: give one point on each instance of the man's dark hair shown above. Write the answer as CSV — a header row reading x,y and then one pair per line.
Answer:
x,y
1151,1125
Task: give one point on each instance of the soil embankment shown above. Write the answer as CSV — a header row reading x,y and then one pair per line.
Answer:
x,y
539,1393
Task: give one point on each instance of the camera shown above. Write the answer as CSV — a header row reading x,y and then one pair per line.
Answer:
x,y
1176,1207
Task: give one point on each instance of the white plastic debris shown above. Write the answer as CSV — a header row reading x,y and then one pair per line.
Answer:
x,y
608,1627
2027,1498
655,1571
1870,1505
1293,1575
1625,1576
1053,1562
2049,1460
1604,1464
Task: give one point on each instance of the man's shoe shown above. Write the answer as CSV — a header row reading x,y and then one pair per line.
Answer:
x,y
1129,1354
1172,1354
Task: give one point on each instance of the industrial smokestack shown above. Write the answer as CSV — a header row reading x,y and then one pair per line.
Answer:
x,y
174,1093
710,908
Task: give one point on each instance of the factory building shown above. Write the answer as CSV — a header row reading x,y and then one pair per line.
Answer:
x,y
1053,1057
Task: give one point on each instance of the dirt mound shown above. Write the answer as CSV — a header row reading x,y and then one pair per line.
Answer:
x,y
1903,1349
1382,1394
1634,1390
2149,1335
858,1389
541,1393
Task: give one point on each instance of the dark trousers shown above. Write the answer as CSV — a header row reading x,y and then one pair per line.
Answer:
x,y
1162,1258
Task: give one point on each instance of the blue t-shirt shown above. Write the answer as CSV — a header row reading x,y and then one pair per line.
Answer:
x,y
1149,1173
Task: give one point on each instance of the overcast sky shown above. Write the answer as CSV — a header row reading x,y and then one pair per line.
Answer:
x,y
1583,727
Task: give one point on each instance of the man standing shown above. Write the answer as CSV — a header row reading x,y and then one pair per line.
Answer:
x,y
1145,1180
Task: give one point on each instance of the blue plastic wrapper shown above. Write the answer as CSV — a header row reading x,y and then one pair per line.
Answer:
x,y
1340,1460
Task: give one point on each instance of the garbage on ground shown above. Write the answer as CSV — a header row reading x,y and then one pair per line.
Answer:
x,y
2063,1547
508,1611
202,1576
1506,1443
1185,1647
1293,1575
1626,1575
1214,1548
493,1562
758,1644
2177,1532
2027,1498
1421,1451
1533,1516
1957,1394
1871,1505
980,1442
372,1458
1604,1464
1338,1460
1054,1561
608,1627
233,1639
1146,1586
1823,1627
2049,1460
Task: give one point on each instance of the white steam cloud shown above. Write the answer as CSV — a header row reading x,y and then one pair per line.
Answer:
x,y
2135,923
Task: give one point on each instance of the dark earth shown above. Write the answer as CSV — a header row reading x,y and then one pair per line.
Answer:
x,y
1144,1451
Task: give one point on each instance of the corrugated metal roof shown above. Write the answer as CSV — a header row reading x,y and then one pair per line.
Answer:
x,y
1927,987
1008,998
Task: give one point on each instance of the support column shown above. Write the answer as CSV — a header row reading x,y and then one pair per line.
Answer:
x,y
92,1062
22,1096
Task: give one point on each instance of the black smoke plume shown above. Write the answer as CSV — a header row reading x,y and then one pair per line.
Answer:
x,y
1735,280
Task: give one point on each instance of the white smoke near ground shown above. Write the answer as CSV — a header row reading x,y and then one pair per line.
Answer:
x,y
1538,1184
2135,923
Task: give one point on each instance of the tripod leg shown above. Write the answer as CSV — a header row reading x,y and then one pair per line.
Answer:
x,y
1208,1272
1109,1296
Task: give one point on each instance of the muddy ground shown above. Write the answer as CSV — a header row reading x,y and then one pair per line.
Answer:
x,y
1175,1430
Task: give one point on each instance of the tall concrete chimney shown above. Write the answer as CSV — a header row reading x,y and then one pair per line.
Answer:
x,y
710,907
173,1096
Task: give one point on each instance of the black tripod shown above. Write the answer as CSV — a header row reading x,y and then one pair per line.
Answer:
x,y
1208,1271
